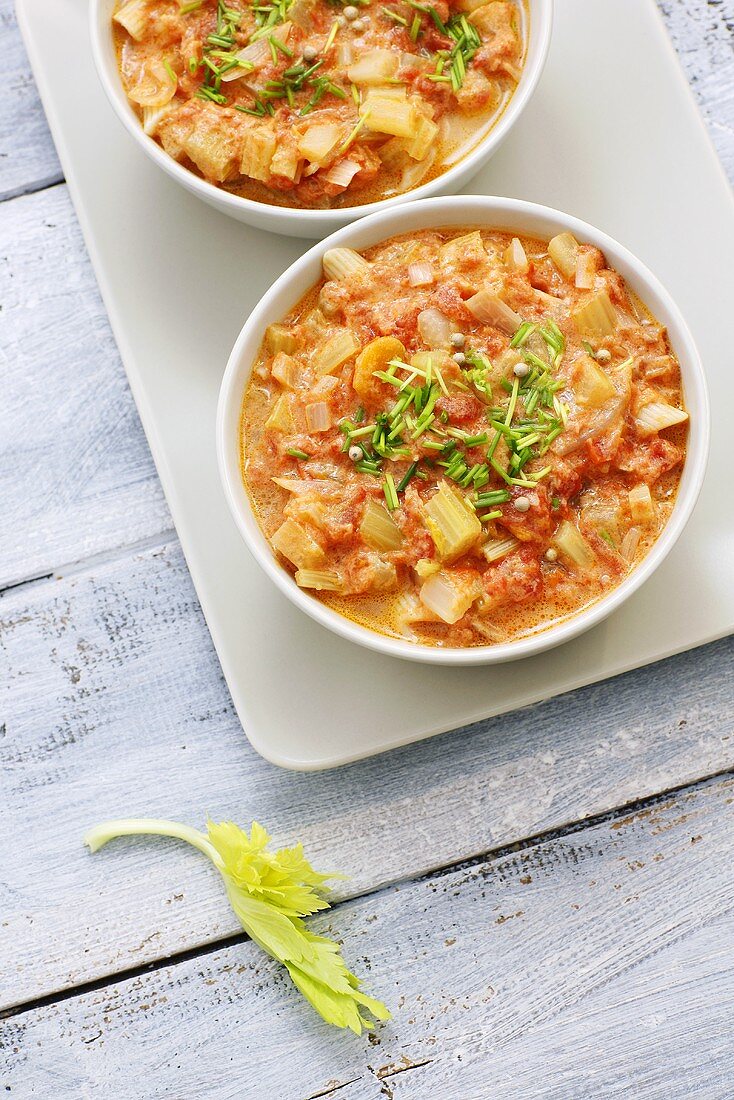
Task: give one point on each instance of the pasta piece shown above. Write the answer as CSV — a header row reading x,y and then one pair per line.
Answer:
x,y
515,257
257,151
343,345
318,417
319,141
449,595
281,418
280,338
423,137
321,581
657,416
563,250
340,263
296,544
592,387
641,504
133,16
571,543
374,67
451,523
495,549
489,309
379,529
285,370
596,317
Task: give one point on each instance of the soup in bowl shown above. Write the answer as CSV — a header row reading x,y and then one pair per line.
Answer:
x,y
305,111
470,436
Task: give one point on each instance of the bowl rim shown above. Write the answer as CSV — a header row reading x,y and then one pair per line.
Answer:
x,y
480,210
313,222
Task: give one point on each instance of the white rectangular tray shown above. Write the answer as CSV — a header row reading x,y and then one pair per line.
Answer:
x,y
613,136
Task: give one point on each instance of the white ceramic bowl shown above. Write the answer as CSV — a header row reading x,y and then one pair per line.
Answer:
x,y
315,223
525,218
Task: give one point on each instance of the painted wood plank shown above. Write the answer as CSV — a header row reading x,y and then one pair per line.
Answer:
x,y
594,964
28,159
76,475
115,706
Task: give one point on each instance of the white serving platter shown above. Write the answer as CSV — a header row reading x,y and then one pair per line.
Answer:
x,y
613,136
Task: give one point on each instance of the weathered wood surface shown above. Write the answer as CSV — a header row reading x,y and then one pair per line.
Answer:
x,y
513,978
76,475
88,654
28,160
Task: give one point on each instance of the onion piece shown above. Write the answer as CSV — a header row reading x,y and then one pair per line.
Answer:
x,y
434,328
491,310
630,542
318,417
342,173
420,274
257,53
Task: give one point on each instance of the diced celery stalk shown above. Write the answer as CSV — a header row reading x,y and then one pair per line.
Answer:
x,y
489,309
374,67
378,529
467,249
570,542
495,549
321,581
425,568
296,544
257,151
343,345
281,418
592,387
340,263
596,317
563,250
657,416
641,505
515,256
279,338
285,370
133,16
388,115
318,141
448,596
423,137
452,525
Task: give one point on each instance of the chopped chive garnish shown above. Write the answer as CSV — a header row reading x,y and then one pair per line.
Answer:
x,y
405,479
525,329
332,35
390,492
394,16
295,453
489,516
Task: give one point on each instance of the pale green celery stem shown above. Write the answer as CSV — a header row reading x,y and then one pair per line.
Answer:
x,y
150,826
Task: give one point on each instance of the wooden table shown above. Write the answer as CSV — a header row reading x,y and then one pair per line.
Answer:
x,y
545,899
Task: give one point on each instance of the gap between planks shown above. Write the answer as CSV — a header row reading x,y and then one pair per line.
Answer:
x,y
490,857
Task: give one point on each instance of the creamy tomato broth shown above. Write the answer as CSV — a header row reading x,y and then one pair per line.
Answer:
x,y
318,103
461,437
